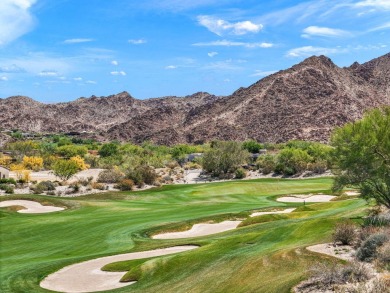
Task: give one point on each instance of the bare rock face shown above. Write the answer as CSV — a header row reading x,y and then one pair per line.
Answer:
x,y
305,101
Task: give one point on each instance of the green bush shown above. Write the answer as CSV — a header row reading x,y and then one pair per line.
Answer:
x,y
69,151
368,249
293,161
266,163
43,186
7,188
252,146
108,150
142,175
240,173
7,181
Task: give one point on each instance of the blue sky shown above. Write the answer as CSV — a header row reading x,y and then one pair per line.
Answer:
x,y
60,50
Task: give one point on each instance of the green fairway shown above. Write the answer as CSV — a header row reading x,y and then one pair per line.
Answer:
x,y
265,255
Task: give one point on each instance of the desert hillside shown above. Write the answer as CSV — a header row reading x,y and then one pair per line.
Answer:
x,y
305,101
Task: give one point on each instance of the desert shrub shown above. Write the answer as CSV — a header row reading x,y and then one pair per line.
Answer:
x,y
266,163
110,176
69,151
7,188
325,277
383,255
65,169
379,220
75,187
43,186
368,249
85,181
108,150
7,181
224,157
172,164
345,232
96,185
292,161
125,185
142,175
240,173
252,146
318,167
192,166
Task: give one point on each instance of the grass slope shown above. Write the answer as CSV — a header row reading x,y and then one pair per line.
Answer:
x,y
264,256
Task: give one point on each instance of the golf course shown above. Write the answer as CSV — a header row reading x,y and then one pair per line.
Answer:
x,y
265,253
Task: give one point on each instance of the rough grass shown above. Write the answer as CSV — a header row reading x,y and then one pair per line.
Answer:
x,y
268,256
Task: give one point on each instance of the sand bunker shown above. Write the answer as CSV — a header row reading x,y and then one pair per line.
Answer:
x,y
344,252
306,198
31,207
87,276
200,230
286,211
352,193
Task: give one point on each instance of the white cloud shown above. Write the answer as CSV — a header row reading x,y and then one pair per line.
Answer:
x,y
78,78
227,43
171,67
4,78
114,62
263,73
118,73
137,42
212,54
310,50
77,41
91,82
379,4
15,19
381,27
220,26
48,73
323,32
226,65
11,69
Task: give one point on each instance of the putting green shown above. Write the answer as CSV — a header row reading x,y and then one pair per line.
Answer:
x,y
266,256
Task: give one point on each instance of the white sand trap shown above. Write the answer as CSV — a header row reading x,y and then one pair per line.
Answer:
x,y
87,276
31,207
286,211
200,230
306,198
344,252
352,193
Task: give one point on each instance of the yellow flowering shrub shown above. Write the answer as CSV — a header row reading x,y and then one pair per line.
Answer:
x,y
80,162
33,163
5,161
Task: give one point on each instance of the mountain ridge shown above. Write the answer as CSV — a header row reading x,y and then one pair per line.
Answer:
x,y
305,101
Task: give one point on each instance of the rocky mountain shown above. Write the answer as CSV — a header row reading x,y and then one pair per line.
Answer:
x,y
305,101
